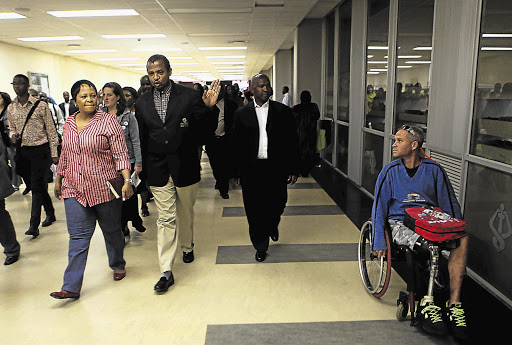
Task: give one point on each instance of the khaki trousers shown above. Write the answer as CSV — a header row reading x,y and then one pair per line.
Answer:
x,y
175,221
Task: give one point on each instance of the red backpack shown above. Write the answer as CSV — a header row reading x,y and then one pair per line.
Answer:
x,y
433,224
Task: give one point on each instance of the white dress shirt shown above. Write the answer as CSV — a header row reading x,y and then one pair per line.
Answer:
x,y
262,115
287,100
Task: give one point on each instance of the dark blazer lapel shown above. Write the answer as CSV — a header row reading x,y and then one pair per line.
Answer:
x,y
270,117
150,106
174,104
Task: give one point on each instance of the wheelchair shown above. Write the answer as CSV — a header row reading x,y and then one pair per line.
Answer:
x,y
426,271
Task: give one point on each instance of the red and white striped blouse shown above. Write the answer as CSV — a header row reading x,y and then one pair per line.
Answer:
x,y
91,157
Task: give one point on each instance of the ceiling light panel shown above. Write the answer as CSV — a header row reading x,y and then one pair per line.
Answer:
x,y
49,39
222,48
226,57
91,51
93,13
156,50
11,15
135,36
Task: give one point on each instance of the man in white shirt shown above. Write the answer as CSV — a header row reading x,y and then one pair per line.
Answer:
x,y
68,107
287,100
266,157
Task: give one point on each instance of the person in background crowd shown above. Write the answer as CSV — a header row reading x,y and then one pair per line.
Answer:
x,y
93,142
286,98
131,96
7,232
267,153
5,100
173,119
145,85
247,97
306,116
115,104
237,96
68,107
58,118
218,146
38,148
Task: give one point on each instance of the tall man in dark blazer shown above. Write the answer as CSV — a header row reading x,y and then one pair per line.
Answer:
x,y
172,120
267,155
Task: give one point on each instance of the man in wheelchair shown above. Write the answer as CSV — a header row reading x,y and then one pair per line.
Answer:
x,y
414,180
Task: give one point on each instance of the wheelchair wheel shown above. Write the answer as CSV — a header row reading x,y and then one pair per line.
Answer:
x,y
375,273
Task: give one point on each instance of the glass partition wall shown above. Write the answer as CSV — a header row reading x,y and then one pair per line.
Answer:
x,y
375,94
414,42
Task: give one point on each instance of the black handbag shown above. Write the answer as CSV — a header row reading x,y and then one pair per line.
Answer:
x,y
22,164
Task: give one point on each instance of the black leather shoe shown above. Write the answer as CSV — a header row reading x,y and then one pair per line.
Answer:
x,y
32,232
145,212
225,196
140,228
260,256
48,221
11,259
188,257
275,236
164,284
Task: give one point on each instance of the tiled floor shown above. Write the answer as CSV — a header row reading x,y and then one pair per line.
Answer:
x,y
308,291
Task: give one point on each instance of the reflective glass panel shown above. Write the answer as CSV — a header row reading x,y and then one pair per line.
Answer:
x,y
342,148
344,60
329,87
488,211
377,72
372,160
415,21
492,118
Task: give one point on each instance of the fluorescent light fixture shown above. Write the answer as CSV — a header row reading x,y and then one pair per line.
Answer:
x,y
406,56
403,66
378,47
369,56
184,63
229,63
227,57
139,69
132,64
230,67
196,71
136,36
378,69
48,39
179,58
145,50
91,51
419,62
377,62
497,35
231,71
422,48
497,48
11,15
119,59
93,13
222,48
208,10
372,72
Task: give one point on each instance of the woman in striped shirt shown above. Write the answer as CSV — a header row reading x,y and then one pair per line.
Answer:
x,y
93,152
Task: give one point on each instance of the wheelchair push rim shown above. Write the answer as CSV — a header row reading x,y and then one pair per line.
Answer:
x,y
375,273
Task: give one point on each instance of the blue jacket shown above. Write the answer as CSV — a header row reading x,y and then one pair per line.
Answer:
x,y
395,191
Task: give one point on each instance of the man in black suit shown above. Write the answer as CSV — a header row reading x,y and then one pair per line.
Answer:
x,y
218,147
267,155
68,107
172,120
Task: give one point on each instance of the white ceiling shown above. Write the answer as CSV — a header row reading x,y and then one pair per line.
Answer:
x,y
187,24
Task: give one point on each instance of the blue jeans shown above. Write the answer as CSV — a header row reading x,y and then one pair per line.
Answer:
x,y
81,223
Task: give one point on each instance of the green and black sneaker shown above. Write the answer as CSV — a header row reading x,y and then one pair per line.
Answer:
x,y
430,317
457,320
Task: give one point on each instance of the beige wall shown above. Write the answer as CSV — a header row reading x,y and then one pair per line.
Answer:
x,y
62,71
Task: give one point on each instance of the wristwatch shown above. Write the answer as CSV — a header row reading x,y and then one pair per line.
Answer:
x,y
128,180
